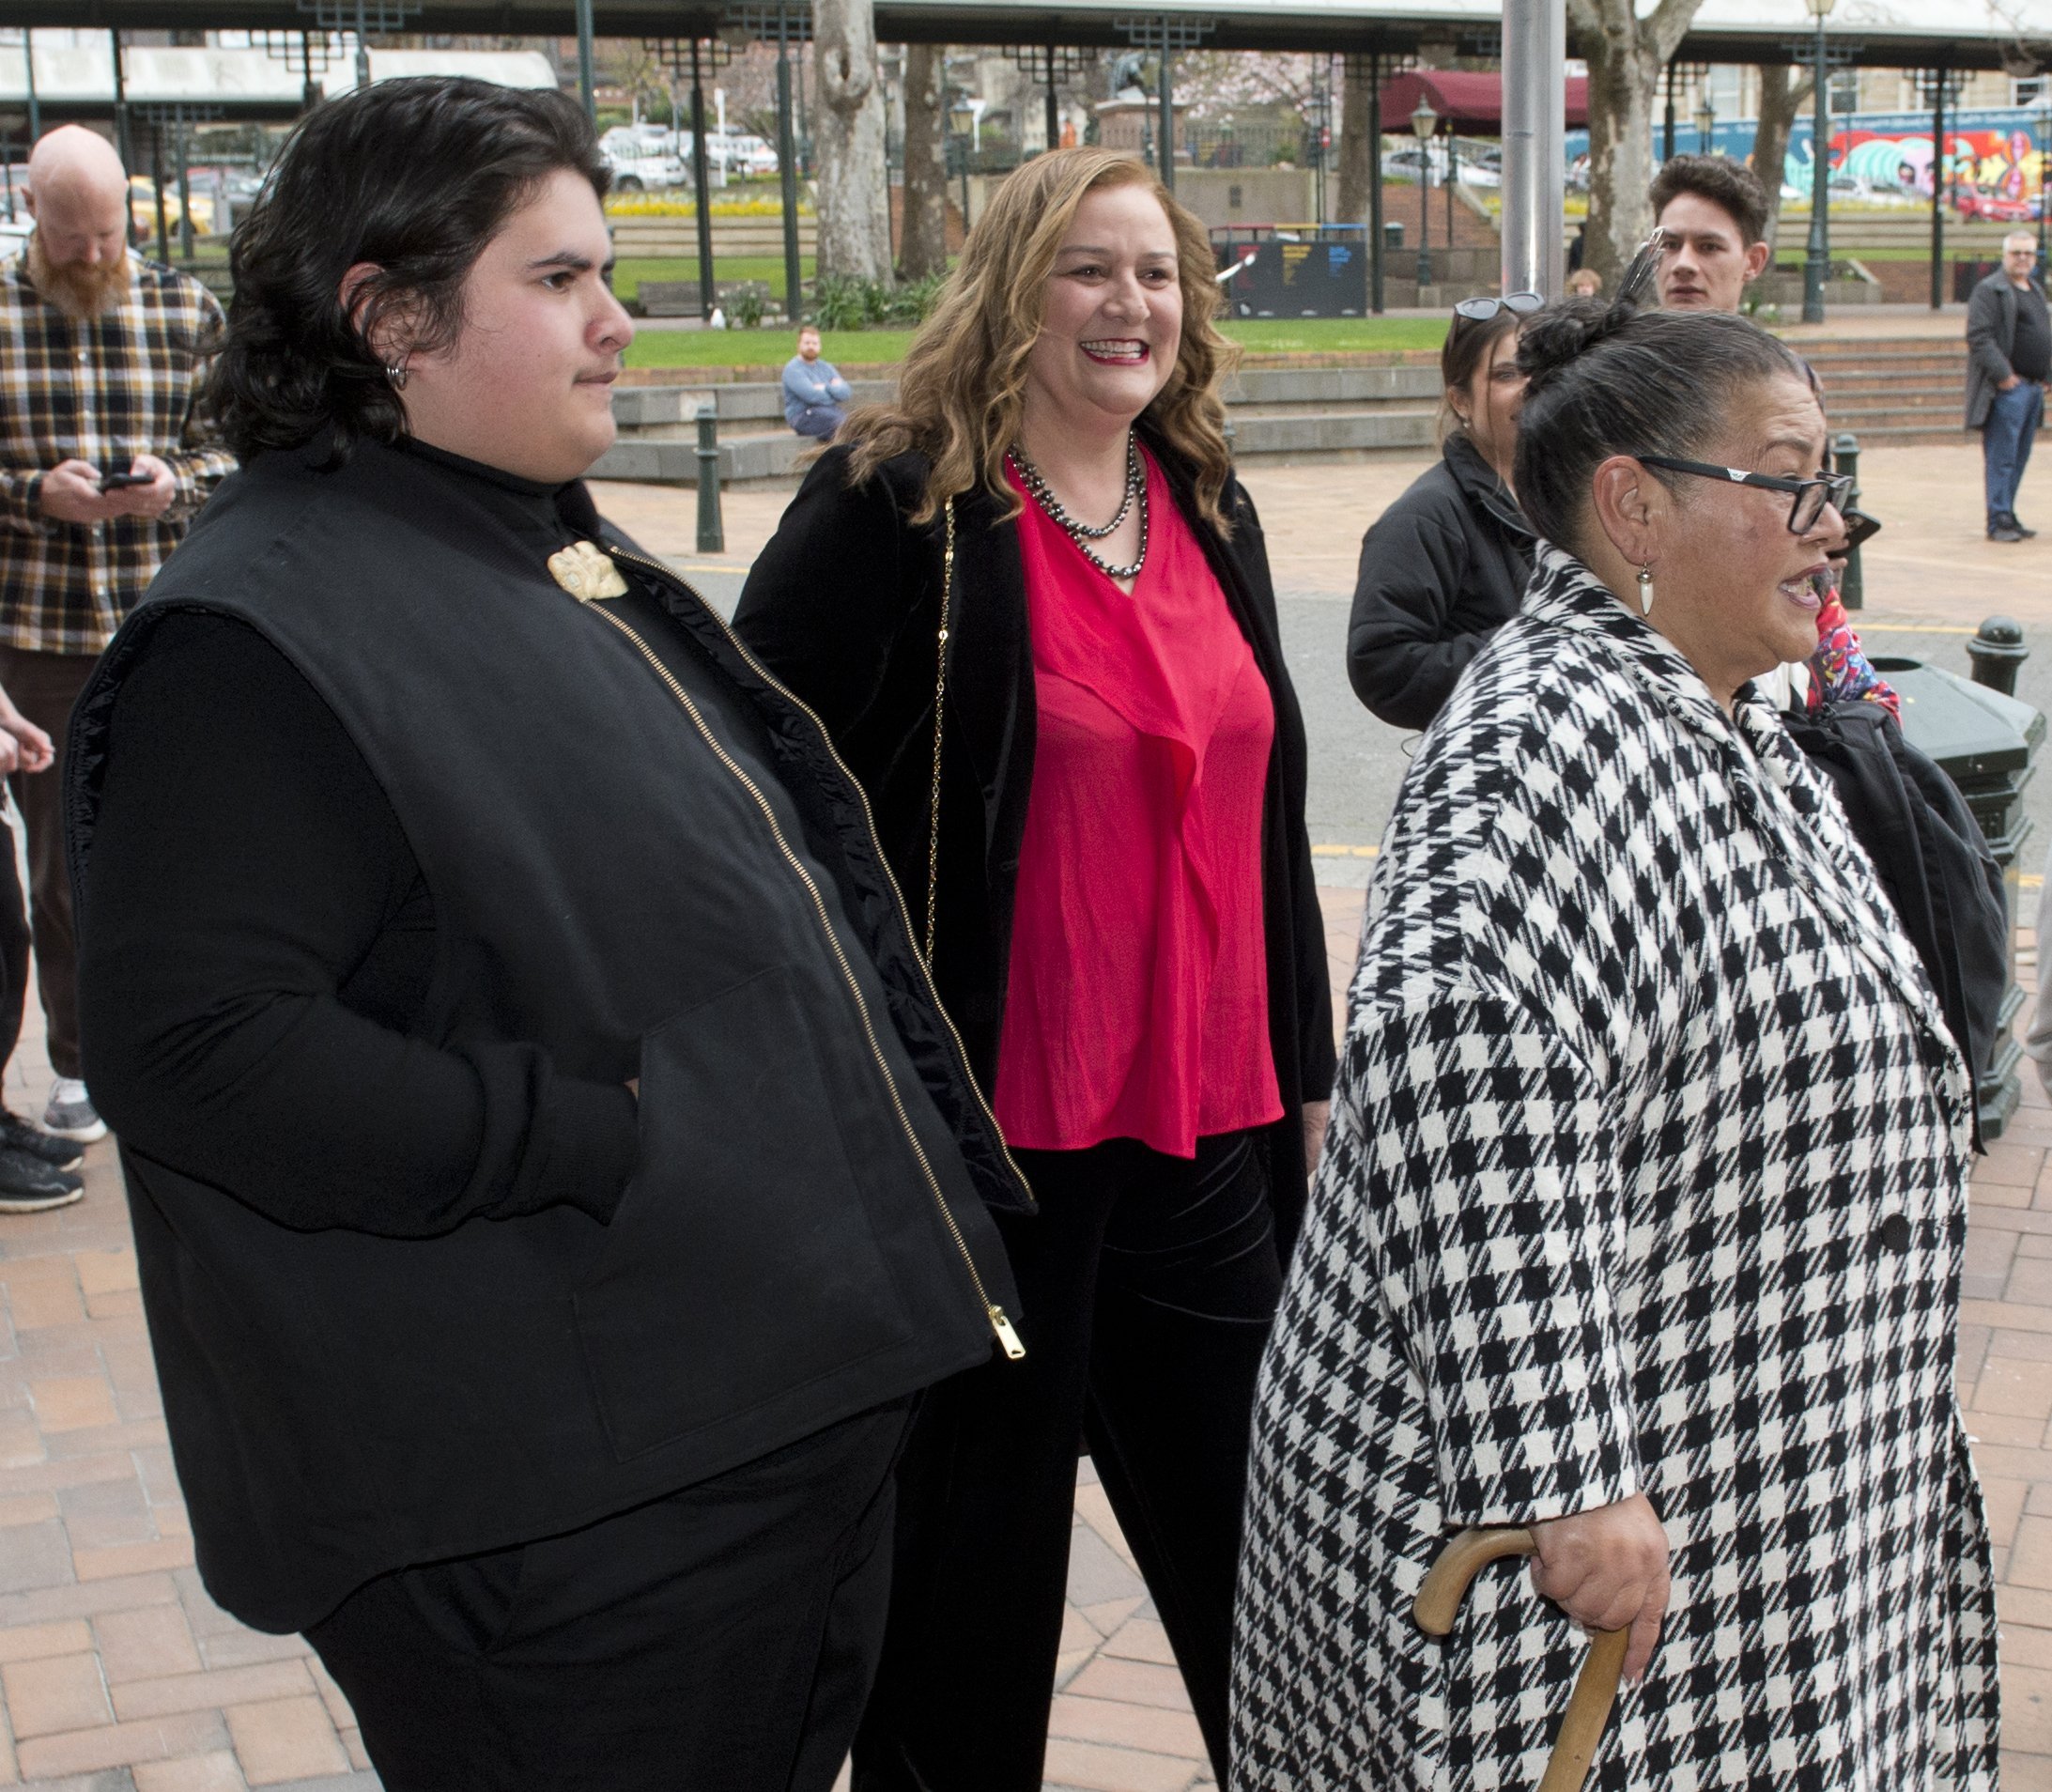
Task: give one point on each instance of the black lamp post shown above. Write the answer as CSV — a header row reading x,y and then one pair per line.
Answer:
x,y
1424,123
1817,262
2044,154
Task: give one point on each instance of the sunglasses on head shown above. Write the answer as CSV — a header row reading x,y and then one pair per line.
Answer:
x,y
1521,304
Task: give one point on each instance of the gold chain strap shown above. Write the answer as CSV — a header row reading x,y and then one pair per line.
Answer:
x,y
940,693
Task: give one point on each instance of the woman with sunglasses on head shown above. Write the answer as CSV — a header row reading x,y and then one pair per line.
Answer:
x,y
1444,568
1032,605
1640,1221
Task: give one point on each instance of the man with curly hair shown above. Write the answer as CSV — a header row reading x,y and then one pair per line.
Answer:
x,y
1714,212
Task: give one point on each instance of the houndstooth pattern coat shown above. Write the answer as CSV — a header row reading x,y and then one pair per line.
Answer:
x,y
1648,1172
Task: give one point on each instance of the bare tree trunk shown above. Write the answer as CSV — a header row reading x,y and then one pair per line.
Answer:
x,y
1626,56
923,249
854,182
1780,100
1360,161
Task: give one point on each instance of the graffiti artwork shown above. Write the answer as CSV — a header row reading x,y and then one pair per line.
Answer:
x,y
1994,159
1993,165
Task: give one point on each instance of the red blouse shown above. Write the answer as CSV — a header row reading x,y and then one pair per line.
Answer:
x,y
1138,1001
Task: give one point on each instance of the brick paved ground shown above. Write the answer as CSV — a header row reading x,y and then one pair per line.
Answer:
x,y
118,1675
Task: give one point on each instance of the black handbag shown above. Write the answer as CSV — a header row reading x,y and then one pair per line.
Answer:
x,y
1931,858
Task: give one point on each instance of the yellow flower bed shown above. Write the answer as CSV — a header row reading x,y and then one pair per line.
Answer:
x,y
657,205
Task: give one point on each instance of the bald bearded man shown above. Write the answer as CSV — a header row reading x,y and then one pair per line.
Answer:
x,y
104,459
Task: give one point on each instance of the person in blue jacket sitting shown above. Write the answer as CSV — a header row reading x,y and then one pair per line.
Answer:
x,y
815,395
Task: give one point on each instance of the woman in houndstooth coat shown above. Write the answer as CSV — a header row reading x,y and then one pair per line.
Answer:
x,y
1642,1209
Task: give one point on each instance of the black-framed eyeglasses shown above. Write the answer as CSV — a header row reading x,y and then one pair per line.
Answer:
x,y
1639,272
1520,304
1810,495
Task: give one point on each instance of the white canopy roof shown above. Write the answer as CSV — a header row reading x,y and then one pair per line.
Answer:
x,y
70,75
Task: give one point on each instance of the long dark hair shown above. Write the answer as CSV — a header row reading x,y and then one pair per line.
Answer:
x,y
1469,345
414,177
1608,380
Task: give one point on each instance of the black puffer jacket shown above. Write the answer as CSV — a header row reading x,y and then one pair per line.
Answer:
x,y
1441,569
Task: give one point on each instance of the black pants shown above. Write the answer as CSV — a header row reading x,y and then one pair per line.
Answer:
x,y
1148,1285
14,941
720,1639
45,689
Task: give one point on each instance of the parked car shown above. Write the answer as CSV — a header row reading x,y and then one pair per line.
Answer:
x,y
142,209
1403,164
739,154
636,170
1971,202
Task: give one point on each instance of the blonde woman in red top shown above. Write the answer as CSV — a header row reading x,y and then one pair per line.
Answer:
x,y
1102,849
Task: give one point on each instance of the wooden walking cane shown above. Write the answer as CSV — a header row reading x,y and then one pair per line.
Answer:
x,y
1595,1686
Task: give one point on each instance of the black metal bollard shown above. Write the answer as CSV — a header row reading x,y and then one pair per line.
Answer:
x,y
1997,651
712,537
1852,588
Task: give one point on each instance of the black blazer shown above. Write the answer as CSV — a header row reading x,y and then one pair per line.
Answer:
x,y
843,607
1442,570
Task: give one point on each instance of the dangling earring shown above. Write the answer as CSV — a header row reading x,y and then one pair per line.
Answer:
x,y
1646,590
396,374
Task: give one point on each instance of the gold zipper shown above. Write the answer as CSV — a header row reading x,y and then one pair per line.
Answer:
x,y
1000,1323
869,819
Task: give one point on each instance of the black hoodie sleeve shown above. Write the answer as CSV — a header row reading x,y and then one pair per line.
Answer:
x,y
1403,656
254,936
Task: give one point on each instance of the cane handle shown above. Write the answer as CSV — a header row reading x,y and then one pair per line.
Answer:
x,y
1596,1687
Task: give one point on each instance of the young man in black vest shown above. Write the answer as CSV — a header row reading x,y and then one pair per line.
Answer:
x,y
552,1175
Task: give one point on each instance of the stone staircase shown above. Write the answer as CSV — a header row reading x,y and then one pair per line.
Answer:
x,y
1889,389
1330,413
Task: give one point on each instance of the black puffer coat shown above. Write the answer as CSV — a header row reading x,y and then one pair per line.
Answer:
x,y
1441,569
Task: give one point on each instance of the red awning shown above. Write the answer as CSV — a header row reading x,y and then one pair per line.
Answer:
x,y
1473,101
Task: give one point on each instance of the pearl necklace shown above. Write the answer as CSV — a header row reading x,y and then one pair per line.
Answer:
x,y
1082,533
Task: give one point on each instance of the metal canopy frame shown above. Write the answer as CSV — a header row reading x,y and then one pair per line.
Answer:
x,y
782,22
698,57
1049,63
1013,22
363,20
177,116
1164,32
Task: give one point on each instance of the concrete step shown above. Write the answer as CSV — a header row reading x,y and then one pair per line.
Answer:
x,y
744,460
672,411
1886,398
1268,387
1330,433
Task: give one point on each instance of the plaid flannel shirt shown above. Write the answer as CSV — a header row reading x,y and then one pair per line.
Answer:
x,y
124,384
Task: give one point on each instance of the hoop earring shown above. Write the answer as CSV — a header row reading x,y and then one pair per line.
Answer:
x,y
1646,590
396,374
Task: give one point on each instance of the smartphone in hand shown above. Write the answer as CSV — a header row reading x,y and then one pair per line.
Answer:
x,y
118,481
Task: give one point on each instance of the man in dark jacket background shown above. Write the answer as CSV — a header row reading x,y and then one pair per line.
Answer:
x,y
2009,359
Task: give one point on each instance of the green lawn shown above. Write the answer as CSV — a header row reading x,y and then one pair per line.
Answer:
x,y
1334,336
655,348
629,272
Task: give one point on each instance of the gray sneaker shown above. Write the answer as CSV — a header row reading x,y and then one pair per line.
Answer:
x,y
29,1185
71,1115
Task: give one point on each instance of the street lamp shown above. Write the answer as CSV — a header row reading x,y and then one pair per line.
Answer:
x,y
1817,262
1706,125
1425,122
2044,155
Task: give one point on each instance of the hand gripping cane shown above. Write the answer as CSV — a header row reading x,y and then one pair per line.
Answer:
x,y
1595,1686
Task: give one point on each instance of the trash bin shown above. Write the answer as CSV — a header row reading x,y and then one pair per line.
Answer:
x,y
1986,744
1393,234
